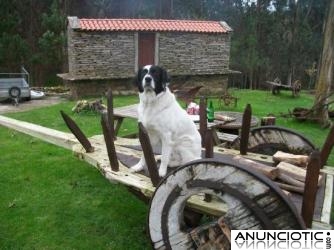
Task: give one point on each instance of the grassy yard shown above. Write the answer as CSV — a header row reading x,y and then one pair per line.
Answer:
x,y
51,200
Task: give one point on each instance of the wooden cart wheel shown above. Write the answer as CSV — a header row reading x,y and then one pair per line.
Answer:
x,y
270,139
296,87
252,201
275,90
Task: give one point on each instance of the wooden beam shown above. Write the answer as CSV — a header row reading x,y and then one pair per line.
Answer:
x,y
59,138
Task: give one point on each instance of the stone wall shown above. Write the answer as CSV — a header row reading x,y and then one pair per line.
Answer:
x,y
89,88
98,60
194,53
101,54
212,85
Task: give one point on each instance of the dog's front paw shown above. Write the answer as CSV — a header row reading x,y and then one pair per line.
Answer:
x,y
162,171
136,168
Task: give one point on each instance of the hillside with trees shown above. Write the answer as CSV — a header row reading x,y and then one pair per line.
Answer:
x,y
270,39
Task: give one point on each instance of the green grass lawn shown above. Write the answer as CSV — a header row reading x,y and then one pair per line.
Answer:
x,y
51,200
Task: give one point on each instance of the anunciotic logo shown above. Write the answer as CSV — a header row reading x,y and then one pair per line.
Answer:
x,y
279,239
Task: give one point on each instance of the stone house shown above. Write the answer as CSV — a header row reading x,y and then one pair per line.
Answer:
x,y
108,52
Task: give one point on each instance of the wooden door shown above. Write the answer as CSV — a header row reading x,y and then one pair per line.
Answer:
x,y
146,48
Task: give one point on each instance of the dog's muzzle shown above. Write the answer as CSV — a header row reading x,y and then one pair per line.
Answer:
x,y
148,82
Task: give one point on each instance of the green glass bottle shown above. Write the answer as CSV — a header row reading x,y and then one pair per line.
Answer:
x,y
211,112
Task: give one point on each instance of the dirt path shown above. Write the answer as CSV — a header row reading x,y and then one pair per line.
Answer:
x,y
28,105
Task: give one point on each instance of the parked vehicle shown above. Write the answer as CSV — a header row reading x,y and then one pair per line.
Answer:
x,y
15,86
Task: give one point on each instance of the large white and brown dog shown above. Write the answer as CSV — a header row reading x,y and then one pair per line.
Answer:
x,y
168,125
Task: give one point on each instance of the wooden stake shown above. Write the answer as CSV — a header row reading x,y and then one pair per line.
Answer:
x,y
246,121
202,119
108,138
148,154
311,186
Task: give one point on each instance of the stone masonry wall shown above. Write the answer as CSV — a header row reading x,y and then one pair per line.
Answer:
x,y
99,60
101,54
194,53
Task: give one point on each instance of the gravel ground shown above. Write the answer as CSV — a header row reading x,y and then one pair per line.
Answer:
x,y
8,107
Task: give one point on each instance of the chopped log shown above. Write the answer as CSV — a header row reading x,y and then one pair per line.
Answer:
x,y
290,180
291,188
270,172
299,160
292,170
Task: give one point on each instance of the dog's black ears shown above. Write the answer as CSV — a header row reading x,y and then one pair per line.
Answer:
x,y
137,80
165,79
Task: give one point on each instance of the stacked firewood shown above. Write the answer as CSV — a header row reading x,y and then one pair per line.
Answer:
x,y
292,171
94,106
289,173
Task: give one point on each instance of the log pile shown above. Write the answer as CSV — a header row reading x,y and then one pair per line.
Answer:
x,y
92,106
292,171
289,173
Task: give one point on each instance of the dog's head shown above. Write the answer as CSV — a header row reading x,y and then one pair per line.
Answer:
x,y
152,78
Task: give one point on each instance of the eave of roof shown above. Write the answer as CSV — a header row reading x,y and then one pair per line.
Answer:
x,y
149,25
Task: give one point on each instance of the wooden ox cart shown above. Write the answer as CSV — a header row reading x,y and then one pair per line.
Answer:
x,y
198,204
277,85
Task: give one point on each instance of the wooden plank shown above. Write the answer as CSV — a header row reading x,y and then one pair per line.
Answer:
x,y
327,204
62,139
327,147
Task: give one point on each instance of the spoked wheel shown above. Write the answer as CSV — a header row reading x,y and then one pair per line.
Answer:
x,y
268,140
247,200
296,87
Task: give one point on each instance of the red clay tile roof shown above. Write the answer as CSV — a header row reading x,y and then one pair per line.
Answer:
x,y
153,25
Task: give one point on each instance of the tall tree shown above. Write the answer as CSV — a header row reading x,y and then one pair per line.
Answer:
x,y
13,47
52,42
326,68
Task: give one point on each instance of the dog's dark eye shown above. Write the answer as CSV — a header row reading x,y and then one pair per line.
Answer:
x,y
145,71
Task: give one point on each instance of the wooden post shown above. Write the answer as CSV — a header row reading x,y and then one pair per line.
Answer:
x,y
148,154
202,119
245,128
77,132
108,138
208,144
311,187
110,110
327,147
